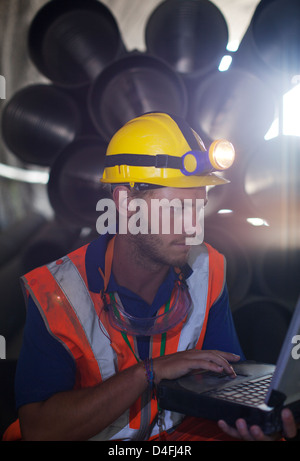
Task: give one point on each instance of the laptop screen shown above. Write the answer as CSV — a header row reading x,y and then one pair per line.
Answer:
x,y
286,378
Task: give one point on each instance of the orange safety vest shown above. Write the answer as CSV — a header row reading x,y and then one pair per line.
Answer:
x,y
72,314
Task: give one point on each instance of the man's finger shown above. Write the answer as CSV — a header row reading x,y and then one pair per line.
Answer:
x,y
218,359
289,426
228,429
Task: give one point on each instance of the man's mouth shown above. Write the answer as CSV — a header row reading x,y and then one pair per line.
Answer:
x,y
181,243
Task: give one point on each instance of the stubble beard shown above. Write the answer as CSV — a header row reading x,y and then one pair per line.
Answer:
x,y
151,252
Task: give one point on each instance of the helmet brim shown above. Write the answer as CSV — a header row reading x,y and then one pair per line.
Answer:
x,y
211,179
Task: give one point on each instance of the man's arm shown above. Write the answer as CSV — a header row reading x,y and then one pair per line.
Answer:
x,y
49,408
81,414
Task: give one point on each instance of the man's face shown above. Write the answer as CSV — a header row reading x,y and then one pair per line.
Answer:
x,y
172,215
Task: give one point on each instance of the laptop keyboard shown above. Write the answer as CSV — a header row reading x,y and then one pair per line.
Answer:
x,y
252,392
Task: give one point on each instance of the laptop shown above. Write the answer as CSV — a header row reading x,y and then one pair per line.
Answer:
x,y
257,394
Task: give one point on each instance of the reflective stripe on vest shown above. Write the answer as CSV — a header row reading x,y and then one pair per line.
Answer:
x,y
71,283
71,312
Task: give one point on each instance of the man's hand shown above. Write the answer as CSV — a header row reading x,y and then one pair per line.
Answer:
x,y
254,433
74,414
175,365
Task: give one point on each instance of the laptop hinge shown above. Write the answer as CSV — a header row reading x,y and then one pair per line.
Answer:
x,y
276,399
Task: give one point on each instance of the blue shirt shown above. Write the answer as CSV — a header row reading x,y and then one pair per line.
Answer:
x,y
45,367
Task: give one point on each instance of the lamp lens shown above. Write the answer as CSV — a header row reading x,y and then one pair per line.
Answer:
x,y
223,154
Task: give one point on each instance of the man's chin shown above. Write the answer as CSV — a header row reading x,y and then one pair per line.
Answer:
x,y
179,253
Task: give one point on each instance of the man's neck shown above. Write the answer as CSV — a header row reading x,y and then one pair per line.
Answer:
x,y
133,271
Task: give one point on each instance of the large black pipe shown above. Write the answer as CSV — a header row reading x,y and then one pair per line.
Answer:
x,y
261,324
52,241
74,186
235,105
38,121
12,306
131,86
226,237
270,47
71,41
272,183
190,35
14,237
277,273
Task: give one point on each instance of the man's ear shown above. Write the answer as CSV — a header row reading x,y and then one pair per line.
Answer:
x,y
120,197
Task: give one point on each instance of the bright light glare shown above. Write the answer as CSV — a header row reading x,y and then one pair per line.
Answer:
x,y
273,130
291,115
257,222
18,174
225,63
225,211
291,112
233,45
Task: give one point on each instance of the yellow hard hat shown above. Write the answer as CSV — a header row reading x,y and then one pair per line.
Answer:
x,y
159,149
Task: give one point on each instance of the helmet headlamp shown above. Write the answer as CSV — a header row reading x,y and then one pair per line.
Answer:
x,y
219,156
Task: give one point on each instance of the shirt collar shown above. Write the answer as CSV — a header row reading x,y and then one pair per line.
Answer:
x,y
95,258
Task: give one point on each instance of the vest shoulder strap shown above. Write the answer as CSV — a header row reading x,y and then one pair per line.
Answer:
x,y
208,262
217,274
60,292
206,285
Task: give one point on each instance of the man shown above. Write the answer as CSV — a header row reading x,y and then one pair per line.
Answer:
x,y
106,323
